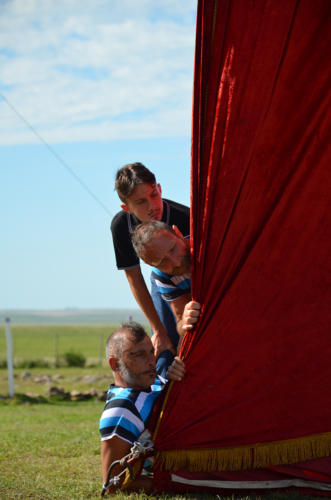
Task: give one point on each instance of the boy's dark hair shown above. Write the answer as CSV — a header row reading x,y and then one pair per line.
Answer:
x,y
129,176
143,234
114,344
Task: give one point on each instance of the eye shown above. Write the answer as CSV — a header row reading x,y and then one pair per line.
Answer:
x,y
139,355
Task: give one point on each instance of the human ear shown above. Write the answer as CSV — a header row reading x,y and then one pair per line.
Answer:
x,y
112,361
159,188
125,207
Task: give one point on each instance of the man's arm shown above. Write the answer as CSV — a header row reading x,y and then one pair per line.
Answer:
x,y
127,259
140,292
111,450
115,449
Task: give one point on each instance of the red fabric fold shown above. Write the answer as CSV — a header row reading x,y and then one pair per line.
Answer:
x,y
258,364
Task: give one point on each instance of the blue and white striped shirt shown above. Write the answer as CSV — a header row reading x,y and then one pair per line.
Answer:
x,y
171,287
128,411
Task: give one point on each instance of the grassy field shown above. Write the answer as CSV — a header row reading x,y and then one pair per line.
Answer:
x,y
38,381
51,450
50,342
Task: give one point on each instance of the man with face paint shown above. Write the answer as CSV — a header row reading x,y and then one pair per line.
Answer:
x,y
130,400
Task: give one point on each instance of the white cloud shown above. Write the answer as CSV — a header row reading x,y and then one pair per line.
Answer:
x,y
96,69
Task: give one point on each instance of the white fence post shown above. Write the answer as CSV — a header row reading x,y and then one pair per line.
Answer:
x,y
101,350
56,349
9,358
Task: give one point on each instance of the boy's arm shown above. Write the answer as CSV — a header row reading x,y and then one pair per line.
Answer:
x,y
140,292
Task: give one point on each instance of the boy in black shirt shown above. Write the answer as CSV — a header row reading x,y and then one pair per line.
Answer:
x,y
141,196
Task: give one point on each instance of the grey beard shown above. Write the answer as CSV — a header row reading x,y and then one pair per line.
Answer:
x,y
126,374
184,267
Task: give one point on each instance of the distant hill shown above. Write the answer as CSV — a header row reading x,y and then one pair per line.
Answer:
x,y
71,316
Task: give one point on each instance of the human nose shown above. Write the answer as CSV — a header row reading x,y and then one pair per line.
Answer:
x,y
151,359
176,259
153,203
150,205
174,263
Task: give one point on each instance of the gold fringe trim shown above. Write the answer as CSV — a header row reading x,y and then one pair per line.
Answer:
x,y
247,457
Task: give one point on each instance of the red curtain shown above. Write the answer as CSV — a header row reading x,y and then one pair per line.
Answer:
x,y
257,388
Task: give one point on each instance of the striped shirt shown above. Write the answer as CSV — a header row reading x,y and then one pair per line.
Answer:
x,y
128,411
171,287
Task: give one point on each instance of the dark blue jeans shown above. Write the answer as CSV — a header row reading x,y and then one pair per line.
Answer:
x,y
168,320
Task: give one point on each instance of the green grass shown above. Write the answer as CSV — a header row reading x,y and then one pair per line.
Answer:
x,y
47,342
51,341
51,451
68,379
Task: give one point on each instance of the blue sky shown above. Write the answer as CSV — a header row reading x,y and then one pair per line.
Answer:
x,y
103,83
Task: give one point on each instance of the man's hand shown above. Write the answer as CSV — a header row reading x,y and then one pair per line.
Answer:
x,y
191,315
161,342
176,370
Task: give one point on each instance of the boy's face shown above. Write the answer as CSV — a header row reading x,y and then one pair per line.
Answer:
x,y
145,202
